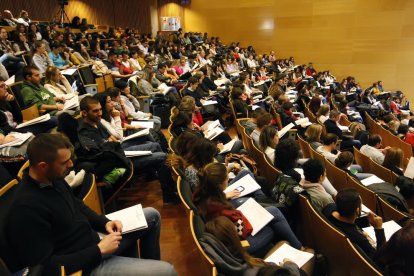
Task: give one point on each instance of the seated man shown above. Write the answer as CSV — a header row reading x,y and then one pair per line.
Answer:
x,y
331,125
34,93
93,134
63,230
343,215
315,174
373,148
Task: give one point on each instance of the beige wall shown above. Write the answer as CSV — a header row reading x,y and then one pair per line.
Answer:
x,y
369,39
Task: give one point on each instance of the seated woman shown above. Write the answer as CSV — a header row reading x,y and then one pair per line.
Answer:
x,y
323,113
58,84
132,105
211,203
240,102
263,120
40,57
149,85
393,160
286,159
313,135
268,140
220,233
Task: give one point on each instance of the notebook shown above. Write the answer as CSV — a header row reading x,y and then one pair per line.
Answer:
x,y
34,121
136,135
137,153
148,124
227,147
132,218
20,139
245,185
288,252
258,216
409,171
390,227
284,130
371,180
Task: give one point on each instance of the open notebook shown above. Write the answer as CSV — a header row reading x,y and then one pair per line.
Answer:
x,y
390,227
245,185
34,121
288,252
258,216
132,218
136,135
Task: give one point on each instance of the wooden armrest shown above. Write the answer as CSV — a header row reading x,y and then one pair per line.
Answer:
x,y
245,243
78,273
142,97
292,130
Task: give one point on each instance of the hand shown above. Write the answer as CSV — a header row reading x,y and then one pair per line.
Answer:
x,y
375,221
236,167
8,97
110,243
59,106
8,139
149,115
220,146
113,226
232,194
115,113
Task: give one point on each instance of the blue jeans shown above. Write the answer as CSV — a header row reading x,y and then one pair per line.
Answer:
x,y
154,160
277,230
125,261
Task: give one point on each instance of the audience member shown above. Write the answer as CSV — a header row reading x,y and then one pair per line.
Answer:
x,y
373,149
56,237
343,215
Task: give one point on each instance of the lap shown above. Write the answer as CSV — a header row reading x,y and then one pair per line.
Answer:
x,y
116,265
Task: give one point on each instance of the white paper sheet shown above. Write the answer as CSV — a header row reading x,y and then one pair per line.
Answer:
x,y
245,185
258,216
288,252
390,227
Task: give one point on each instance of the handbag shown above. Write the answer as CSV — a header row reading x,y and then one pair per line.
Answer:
x,y
245,161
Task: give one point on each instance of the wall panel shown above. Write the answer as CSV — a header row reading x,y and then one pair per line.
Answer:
x,y
125,13
369,39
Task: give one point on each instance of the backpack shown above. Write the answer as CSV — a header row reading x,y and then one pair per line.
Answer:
x,y
406,186
387,192
285,191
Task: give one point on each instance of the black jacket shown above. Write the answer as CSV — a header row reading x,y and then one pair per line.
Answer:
x,y
48,225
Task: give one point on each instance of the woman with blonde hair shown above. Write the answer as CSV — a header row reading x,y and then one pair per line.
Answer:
x,y
323,113
313,135
393,160
58,84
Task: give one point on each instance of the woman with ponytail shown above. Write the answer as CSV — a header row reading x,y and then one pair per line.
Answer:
x,y
211,203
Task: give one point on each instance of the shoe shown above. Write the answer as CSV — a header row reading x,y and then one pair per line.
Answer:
x,y
172,200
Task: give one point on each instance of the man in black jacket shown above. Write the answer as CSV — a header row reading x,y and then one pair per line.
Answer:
x,y
50,227
343,215
348,142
